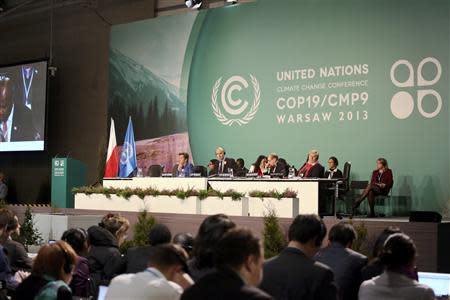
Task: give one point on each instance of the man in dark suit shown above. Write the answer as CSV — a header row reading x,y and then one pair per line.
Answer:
x,y
16,123
275,166
312,168
345,263
223,164
293,274
239,259
241,170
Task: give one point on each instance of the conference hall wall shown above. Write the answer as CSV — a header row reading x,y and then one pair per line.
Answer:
x,y
354,79
77,102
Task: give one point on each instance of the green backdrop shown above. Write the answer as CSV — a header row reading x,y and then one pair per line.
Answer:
x,y
328,69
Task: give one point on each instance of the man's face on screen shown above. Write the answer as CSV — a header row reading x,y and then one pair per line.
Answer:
x,y
5,99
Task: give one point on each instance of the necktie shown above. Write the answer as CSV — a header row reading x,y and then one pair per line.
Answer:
x,y
221,167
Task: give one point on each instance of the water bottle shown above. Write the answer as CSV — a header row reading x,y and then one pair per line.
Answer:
x,y
139,173
230,171
182,173
291,172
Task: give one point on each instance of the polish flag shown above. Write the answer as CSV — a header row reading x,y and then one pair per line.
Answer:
x,y
112,159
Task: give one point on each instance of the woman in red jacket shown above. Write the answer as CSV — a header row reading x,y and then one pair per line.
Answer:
x,y
380,184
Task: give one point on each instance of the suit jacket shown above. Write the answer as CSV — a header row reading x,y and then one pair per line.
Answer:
x,y
188,169
293,276
346,265
317,171
229,163
390,286
223,284
280,168
334,175
137,258
386,177
22,125
17,256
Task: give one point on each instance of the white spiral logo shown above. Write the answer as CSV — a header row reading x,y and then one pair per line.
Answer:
x,y
235,107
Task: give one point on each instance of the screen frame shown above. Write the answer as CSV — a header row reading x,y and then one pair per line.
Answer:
x,y
47,88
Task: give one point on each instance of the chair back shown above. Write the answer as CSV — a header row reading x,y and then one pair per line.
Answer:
x,y
346,176
202,170
155,171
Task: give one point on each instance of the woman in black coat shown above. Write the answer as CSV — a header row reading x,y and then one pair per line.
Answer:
x,y
104,251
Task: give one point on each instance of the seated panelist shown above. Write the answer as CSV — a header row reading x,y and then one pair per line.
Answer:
x,y
312,168
259,166
274,165
212,167
184,168
333,172
223,164
380,184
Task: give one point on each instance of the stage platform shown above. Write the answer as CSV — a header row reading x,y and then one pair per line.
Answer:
x,y
432,239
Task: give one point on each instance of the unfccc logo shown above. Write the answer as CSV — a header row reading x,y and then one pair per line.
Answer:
x,y
402,103
237,110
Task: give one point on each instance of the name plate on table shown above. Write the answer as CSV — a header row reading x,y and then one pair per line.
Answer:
x,y
251,175
166,175
225,175
276,175
195,175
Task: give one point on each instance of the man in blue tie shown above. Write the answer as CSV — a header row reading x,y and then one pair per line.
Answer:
x,y
184,167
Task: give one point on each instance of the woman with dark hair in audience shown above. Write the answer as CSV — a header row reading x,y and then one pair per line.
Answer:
x,y
375,267
259,166
380,184
17,255
209,234
186,241
105,240
136,258
77,238
51,274
399,280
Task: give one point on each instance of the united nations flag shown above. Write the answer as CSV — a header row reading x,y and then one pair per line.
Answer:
x,y
128,161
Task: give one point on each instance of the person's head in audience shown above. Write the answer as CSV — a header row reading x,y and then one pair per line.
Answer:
x,y
240,164
387,232
209,233
6,217
159,234
382,164
13,226
240,251
307,233
399,254
272,160
117,225
342,233
333,163
77,238
170,260
220,153
56,261
212,165
313,156
185,240
183,158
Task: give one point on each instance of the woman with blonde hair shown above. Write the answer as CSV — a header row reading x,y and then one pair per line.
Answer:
x,y
105,239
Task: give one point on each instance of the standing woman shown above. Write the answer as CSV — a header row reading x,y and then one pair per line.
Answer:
x,y
380,185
